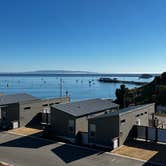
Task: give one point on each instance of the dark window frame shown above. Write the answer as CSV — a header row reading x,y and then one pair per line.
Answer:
x,y
92,134
45,105
27,108
123,121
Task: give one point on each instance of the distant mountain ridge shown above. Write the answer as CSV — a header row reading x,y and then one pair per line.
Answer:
x,y
68,72
59,72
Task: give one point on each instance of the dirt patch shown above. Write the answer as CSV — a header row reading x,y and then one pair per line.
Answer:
x,y
25,131
134,152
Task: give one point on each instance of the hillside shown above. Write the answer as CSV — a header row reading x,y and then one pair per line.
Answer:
x,y
152,92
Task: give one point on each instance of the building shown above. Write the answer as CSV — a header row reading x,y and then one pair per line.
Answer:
x,y
70,121
114,129
18,110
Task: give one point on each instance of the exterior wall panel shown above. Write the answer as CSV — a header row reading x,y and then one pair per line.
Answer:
x,y
81,125
107,128
60,123
32,117
131,119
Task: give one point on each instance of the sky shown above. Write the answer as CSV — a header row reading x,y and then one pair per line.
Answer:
x,y
108,36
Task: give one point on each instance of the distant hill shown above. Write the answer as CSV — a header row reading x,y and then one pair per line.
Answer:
x,y
47,72
59,72
68,72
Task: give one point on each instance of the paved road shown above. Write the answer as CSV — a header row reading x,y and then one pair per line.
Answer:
x,y
26,151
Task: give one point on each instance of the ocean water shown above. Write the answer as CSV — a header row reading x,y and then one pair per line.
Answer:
x,y
77,87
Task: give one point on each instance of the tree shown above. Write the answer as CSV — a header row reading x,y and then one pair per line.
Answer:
x,y
122,95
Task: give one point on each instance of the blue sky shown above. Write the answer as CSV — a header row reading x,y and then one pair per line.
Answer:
x,y
110,36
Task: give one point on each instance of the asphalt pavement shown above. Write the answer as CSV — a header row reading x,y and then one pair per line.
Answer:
x,y
27,151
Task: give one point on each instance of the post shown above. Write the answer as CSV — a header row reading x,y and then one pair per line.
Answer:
x,y
60,86
156,134
146,133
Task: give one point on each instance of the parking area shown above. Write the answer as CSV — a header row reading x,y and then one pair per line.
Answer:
x,y
24,151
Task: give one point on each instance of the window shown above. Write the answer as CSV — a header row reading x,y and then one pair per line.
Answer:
x,y
46,111
45,105
27,108
92,128
107,111
138,122
4,114
71,125
142,114
137,115
145,112
46,117
123,121
90,116
0,114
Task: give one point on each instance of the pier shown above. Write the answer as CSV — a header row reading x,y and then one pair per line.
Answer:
x,y
109,80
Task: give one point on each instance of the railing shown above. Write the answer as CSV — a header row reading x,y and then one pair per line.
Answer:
x,y
150,133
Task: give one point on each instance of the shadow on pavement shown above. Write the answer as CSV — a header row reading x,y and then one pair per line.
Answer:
x,y
69,153
26,142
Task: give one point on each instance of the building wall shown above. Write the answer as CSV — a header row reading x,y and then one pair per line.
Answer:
x,y
82,122
30,113
107,128
60,123
60,119
131,119
12,114
81,125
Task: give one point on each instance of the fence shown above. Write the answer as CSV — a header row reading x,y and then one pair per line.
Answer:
x,y
150,133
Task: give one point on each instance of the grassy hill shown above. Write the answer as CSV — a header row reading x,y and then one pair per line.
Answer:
x,y
152,92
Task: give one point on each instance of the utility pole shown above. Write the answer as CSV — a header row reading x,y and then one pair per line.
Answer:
x,y
60,86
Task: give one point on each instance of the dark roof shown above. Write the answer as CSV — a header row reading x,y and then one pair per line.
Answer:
x,y
86,107
123,111
16,98
134,108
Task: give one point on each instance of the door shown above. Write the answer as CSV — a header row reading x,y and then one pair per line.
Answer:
x,y
84,139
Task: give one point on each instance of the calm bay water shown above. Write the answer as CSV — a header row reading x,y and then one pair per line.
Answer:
x,y
78,87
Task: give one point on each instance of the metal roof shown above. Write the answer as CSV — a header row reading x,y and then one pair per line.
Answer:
x,y
16,98
124,111
133,108
86,107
